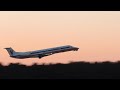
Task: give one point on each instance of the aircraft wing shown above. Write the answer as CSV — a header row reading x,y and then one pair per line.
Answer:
x,y
48,52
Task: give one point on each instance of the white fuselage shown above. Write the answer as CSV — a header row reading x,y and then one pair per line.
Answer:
x,y
44,52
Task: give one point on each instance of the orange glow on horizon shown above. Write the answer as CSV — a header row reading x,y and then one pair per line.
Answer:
x,y
96,33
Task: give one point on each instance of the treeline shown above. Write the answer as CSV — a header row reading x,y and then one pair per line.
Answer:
x,y
73,70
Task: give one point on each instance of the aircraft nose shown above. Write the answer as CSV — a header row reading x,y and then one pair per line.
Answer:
x,y
76,48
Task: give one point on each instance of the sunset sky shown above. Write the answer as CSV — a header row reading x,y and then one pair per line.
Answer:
x,y
96,33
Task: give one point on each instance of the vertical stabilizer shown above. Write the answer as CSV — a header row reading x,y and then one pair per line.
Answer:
x,y
10,51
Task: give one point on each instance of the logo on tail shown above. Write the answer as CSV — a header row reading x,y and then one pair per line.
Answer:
x,y
10,51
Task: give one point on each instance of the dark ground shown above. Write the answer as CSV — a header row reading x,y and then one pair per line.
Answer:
x,y
73,70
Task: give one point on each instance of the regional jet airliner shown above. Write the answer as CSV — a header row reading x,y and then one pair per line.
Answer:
x,y
40,53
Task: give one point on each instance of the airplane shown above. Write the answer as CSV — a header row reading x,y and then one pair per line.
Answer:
x,y
40,53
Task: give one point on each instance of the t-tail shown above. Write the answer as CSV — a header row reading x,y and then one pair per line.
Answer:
x,y
10,51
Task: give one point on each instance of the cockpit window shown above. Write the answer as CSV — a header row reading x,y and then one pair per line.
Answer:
x,y
64,47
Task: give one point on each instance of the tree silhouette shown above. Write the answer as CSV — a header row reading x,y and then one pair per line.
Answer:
x,y
72,70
